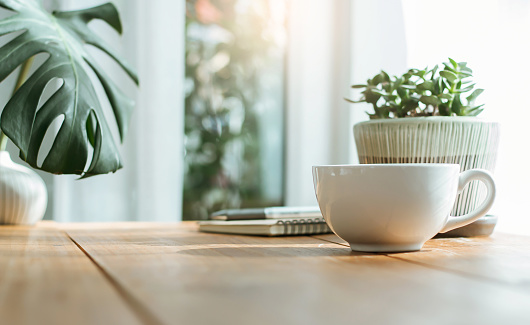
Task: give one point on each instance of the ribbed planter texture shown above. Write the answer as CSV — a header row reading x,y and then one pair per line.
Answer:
x,y
468,141
23,196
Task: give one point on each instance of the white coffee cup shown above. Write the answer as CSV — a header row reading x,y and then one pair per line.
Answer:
x,y
394,207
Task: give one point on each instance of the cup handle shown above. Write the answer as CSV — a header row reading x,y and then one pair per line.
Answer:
x,y
464,178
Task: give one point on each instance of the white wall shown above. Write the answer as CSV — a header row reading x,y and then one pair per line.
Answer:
x,y
318,130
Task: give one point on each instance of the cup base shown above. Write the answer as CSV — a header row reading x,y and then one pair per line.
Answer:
x,y
385,248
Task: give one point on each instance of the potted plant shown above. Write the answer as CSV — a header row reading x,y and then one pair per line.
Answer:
x,y
428,116
84,128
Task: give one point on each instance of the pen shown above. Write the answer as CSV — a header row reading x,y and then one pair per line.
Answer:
x,y
267,213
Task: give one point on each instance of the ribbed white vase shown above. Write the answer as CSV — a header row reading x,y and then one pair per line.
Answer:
x,y
468,141
23,196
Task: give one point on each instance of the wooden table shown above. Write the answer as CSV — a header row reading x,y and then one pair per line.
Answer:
x,y
140,273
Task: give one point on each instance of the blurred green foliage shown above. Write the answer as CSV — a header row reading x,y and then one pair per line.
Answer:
x,y
226,51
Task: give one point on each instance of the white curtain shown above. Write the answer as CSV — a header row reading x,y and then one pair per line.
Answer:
x,y
332,45
149,187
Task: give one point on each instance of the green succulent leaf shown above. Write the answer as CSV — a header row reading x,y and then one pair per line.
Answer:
x,y
430,100
449,67
454,64
471,98
427,85
371,96
385,76
449,75
456,107
379,92
358,86
379,78
433,72
354,101
466,89
401,92
445,96
475,110
63,36
443,110
423,92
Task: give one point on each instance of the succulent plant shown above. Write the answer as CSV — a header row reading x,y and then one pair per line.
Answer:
x,y
427,92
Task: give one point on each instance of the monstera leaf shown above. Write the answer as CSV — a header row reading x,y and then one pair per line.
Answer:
x,y
63,36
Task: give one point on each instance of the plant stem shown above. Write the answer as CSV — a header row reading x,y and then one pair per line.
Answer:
x,y
22,76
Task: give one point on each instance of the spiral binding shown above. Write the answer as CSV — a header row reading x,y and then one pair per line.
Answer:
x,y
305,226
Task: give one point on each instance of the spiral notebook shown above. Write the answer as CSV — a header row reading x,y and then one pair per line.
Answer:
x,y
267,227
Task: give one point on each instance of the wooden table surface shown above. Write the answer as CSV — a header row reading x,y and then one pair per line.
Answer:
x,y
150,273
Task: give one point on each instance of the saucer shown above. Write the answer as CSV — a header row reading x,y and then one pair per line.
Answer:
x,y
482,227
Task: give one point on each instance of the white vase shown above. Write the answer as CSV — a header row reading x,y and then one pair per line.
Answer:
x,y
468,141
23,196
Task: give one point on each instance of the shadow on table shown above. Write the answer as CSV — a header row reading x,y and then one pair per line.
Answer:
x,y
272,251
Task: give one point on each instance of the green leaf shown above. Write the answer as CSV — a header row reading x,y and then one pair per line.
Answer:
x,y
401,92
385,76
471,98
430,100
408,87
466,89
358,86
354,101
477,112
449,67
438,87
390,98
444,84
449,75
379,92
371,96
427,85
379,78
445,96
433,72
443,110
63,35
456,107
474,108
453,63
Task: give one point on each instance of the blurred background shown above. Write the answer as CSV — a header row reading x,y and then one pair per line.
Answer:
x,y
239,98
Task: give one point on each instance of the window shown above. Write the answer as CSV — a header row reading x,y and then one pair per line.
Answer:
x,y
234,112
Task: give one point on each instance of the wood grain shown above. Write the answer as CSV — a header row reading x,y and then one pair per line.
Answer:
x,y
182,276
500,258
46,279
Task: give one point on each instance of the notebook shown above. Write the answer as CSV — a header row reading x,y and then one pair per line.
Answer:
x,y
267,227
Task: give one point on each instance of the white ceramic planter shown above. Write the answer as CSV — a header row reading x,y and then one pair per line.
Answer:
x,y
468,141
23,196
